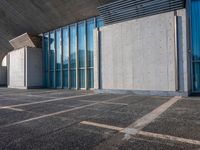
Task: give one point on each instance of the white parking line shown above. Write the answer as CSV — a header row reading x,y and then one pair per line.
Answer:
x,y
101,125
46,101
123,104
169,137
60,112
15,109
143,133
148,118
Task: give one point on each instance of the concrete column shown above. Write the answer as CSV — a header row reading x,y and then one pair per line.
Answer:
x,y
96,58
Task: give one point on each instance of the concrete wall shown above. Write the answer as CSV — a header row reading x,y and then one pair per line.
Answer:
x,y
25,68
34,67
3,76
141,54
17,76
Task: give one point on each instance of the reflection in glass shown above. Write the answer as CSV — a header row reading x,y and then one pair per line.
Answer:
x,y
73,78
81,53
52,59
65,56
100,22
73,46
60,54
195,12
46,58
90,42
91,78
196,76
58,58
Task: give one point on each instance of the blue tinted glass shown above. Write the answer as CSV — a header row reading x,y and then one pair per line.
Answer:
x,y
100,22
196,29
82,78
46,48
81,44
46,58
52,79
90,43
65,78
58,78
58,58
91,78
65,47
52,51
195,17
73,78
73,46
58,49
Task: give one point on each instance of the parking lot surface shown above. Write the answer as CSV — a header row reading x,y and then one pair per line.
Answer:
x,y
46,119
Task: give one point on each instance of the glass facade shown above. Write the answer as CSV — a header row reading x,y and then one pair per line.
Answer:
x,y
195,18
69,55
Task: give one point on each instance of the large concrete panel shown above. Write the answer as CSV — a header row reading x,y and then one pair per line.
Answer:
x,y
34,67
25,68
16,67
140,54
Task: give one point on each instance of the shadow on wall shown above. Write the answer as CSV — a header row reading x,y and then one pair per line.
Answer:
x,y
3,72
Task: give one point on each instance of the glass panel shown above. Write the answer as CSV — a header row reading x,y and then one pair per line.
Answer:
x,y
91,78
58,78
58,58
82,78
196,76
52,77
81,44
90,43
65,56
73,78
100,22
52,51
65,78
73,45
46,58
195,12
65,47
46,48
58,49
196,29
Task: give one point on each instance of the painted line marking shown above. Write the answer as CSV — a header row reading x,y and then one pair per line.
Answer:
x,y
169,137
105,102
46,101
143,133
148,118
59,112
9,108
101,125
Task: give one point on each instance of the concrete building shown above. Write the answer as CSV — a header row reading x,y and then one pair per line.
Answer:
x,y
137,46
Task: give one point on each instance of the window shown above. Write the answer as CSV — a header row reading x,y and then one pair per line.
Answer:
x,y
69,55
73,48
65,38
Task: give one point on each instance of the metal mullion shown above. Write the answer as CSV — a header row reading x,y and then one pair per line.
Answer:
x,y
69,72
48,71
86,56
61,46
77,59
55,58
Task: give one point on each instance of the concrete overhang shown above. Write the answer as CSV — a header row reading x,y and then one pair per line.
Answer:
x,y
26,39
38,16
